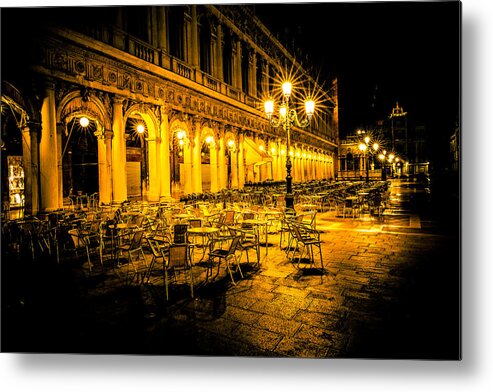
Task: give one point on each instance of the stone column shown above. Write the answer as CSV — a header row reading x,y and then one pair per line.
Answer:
x,y
30,157
162,38
102,169
238,64
273,163
59,130
222,172
234,166
164,155
241,162
187,40
252,80
187,167
48,154
197,157
219,53
153,144
213,166
105,169
119,153
194,38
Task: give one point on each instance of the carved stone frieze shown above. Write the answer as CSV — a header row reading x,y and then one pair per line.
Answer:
x,y
134,83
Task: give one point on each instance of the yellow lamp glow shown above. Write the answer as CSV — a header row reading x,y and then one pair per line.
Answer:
x,y
283,111
367,139
286,89
381,157
140,129
375,146
362,147
209,139
84,122
180,135
269,107
309,108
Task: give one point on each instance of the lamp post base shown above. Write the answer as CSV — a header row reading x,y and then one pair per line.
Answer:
x,y
289,201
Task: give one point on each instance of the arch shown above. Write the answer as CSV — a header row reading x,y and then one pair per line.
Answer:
x,y
180,156
74,104
147,115
142,152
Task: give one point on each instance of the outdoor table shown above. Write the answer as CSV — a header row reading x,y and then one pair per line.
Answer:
x,y
206,233
304,207
271,215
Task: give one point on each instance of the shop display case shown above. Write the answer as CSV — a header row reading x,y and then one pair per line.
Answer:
x,y
16,181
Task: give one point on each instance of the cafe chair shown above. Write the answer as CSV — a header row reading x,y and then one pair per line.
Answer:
x,y
177,263
306,239
132,248
248,240
180,233
88,242
227,255
156,247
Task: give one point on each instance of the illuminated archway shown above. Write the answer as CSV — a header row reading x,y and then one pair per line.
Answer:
x,y
85,167
142,157
180,158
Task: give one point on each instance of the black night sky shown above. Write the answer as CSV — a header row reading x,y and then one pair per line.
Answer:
x,y
381,52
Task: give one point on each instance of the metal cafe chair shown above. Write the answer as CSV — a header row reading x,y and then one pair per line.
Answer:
x,y
177,262
226,255
156,247
132,247
90,242
307,238
248,240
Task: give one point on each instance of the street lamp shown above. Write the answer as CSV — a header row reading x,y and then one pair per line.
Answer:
x,y
370,148
287,118
383,164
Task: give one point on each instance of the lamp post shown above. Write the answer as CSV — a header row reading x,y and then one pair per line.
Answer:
x,y
287,118
382,162
366,148
391,161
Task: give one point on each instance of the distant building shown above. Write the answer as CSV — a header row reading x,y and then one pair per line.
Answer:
x,y
396,137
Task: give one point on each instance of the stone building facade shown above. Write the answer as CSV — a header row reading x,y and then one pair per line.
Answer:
x,y
194,76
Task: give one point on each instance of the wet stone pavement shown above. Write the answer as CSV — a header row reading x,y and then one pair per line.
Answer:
x,y
390,289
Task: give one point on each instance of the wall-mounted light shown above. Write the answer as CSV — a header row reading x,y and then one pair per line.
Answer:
x,y
84,122
141,129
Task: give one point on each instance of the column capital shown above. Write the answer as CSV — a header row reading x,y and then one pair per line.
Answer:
x,y
117,99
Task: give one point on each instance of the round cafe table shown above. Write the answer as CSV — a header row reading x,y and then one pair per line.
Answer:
x,y
206,233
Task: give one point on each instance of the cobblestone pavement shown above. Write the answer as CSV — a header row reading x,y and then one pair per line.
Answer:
x,y
390,290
